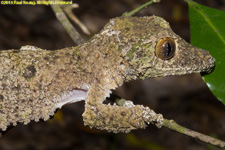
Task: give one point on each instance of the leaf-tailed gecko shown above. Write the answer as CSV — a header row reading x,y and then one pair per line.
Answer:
x,y
35,82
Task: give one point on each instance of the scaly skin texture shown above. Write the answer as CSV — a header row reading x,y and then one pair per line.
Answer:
x,y
33,81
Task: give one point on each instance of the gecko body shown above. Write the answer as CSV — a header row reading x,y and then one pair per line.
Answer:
x,y
35,82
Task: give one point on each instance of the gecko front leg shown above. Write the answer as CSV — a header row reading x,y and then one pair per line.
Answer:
x,y
116,118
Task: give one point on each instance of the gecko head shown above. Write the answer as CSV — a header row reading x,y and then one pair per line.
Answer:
x,y
152,49
174,56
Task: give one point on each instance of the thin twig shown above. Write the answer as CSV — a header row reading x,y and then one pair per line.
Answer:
x,y
171,124
67,25
133,12
68,10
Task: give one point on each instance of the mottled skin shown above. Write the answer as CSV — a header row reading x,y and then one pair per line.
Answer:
x,y
34,81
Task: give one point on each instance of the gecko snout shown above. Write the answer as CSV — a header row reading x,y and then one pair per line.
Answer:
x,y
210,63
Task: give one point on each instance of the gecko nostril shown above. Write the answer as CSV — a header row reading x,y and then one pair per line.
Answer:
x,y
209,64
211,60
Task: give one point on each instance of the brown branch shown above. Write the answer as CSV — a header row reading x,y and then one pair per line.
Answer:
x,y
157,119
67,25
68,10
171,124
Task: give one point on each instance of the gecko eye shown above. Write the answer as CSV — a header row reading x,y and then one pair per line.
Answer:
x,y
165,48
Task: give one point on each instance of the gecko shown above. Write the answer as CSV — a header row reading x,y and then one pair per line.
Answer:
x,y
34,82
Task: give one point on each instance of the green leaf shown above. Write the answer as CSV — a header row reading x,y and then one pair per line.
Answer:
x,y
208,32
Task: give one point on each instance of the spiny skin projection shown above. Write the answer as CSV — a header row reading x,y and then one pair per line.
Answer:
x,y
35,82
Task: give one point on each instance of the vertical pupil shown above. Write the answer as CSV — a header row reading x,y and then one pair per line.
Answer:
x,y
165,48
169,49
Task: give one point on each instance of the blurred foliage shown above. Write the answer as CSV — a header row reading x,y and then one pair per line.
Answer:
x,y
58,117
141,143
208,32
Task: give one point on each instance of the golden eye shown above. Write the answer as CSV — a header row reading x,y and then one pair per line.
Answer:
x,y
165,48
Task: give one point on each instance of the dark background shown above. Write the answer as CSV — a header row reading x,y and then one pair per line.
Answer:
x,y
186,99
